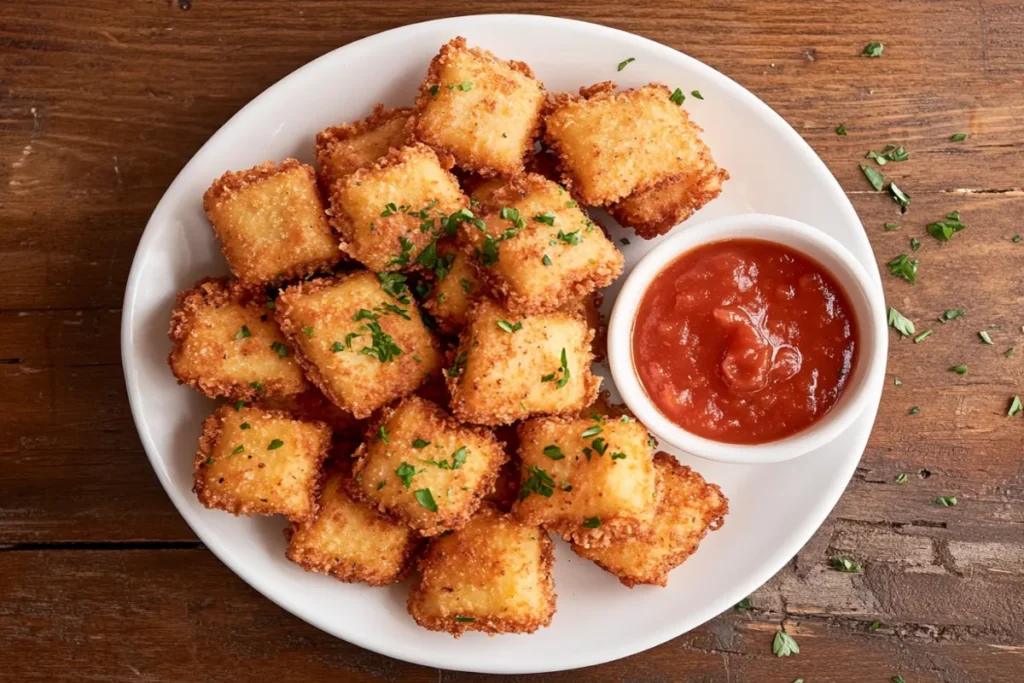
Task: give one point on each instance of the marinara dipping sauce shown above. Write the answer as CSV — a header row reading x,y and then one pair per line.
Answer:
x,y
744,341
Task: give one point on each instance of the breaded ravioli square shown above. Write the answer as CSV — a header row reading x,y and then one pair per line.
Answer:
x,y
510,367
494,575
388,212
350,540
422,467
484,111
453,286
538,251
253,460
688,507
611,145
271,223
359,344
590,480
226,343
342,150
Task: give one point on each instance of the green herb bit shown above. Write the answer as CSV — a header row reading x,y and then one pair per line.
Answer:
x,y
210,461
258,386
744,605
238,449
958,137
915,244
696,93
539,482
553,452
458,365
841,129
462,619
425,498
380,485
902,266
600,445
506,326
985,338
565,371
946,501
618,456
392,283
389,210
572,238
383,435
245,425
872,49
489,252
677,97
914,410
337,347
420,443
897,679
624,240
270,305
952,314
546,260
897,382
592,523
944,230
889,227
243,333
1015,407
899,196
382,346
921,337
900,323
239,405
280,349
626,62
958,369
1017,239
1008,352
363,314
845,563
783,645
876,179
405,472
591,431
275,444
901,478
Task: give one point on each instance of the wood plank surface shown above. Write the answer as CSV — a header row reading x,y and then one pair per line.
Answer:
x,y
103,102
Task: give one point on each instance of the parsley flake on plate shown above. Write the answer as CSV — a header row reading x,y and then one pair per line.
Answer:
x,y
626,62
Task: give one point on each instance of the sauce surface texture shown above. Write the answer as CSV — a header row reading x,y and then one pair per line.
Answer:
x,y
744,341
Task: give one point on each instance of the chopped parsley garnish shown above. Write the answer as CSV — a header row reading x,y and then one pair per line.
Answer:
x,y
506,326
239,405
539,482
952,314
921,337
393,283
876,179
243,333
892,226
275,444
363,314
844,563
464,86
946,501
245,425
915,244
783,645
591,431
626,62
548,218
985,338
553,452
958,137
392,308
389,210
546,260
420,443
565,371
337,347
406,472
383,435
624,240
592,523
901,478
888,153
943,230
899,196
744,605
676,97
280,349
573,238
489,252
458,460
897,382
1017,239
840,129
958,369
238,449
210,461
403,258
901,324
618,456
902,266
1015,407
1008,352
383,346
380,485
425,498
696,93
467,286
434,89
258,386
571,204
458,365
872,49
600,445
914,410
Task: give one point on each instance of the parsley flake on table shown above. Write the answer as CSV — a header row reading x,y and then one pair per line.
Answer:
x,y
945,229
915,244
958,137
952,314
899,196
874,626
783,645
903,266
889,227
897,382
677,97
876,179
901,478
888,153
897,679
844,563
958,369
946,501
985,338
744,605
1008,352
921,337
626,62
1015,407
872,49
425,498
914,410
900,323
841,129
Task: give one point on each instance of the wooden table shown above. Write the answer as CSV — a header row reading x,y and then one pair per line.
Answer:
x,y
101,104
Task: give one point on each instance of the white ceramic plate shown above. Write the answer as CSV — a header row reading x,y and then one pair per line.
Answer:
x,y
774,508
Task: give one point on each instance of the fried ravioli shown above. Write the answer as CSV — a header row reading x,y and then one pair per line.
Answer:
x,y
590,480
253,460
455,287
539,252
350,540
688,507
271,223
508,367
424,468
494,575
226,344
361,346
484,111
343,150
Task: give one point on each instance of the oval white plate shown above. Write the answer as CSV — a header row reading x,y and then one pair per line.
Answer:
x,y
774,508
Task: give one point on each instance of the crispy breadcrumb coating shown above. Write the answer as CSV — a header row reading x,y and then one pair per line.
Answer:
x,y
227,344
271,223
342,150
484,111
455,286
494,575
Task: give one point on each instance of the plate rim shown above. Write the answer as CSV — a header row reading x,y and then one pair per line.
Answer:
x,y
758,575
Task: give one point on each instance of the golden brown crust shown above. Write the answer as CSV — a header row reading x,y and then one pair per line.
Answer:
x,y
315,451
472,561
450,298
334,148
688,507
506,80
308,225
434,425
198,367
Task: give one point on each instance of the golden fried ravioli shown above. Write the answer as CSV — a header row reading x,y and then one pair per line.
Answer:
x,y
253,460
483,111
359,344
271,223
425,469
494,575
539,252
612,145
342,150
688,507
591,480
510,367
227,344
387,213
455,286
350,540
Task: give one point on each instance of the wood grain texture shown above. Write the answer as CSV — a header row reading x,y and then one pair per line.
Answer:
x,y
102,103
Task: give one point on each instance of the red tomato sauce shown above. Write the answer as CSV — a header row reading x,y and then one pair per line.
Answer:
x,y
744,341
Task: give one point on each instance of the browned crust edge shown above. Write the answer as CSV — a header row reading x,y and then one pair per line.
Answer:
x,y
685,205
329,138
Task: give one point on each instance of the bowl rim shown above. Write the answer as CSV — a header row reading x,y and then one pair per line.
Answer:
x,y
869,310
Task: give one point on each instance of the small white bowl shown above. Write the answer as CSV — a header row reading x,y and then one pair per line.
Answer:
x,y
868,308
